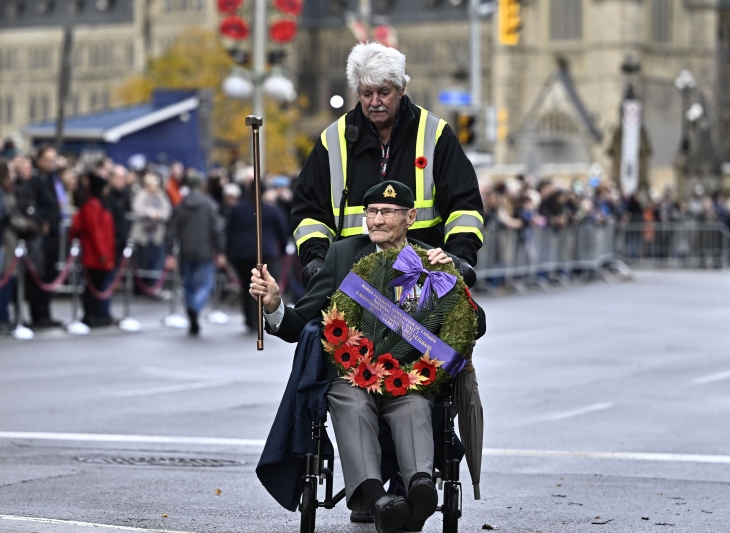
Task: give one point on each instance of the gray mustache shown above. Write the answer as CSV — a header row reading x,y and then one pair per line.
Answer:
x,y
379,108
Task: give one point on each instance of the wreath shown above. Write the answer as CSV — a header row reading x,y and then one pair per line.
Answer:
x,y
371,356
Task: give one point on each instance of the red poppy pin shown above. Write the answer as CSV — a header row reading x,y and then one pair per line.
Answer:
x,y
421,162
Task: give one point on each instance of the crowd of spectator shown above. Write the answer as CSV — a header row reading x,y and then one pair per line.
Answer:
x,y
49,200
523,203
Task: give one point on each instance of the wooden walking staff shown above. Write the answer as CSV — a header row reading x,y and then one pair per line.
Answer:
x,y
255,123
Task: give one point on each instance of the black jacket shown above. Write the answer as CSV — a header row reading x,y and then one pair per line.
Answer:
x,y
119,205
454,177
241,231
197,225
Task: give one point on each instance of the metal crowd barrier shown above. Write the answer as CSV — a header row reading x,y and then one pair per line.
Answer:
x,y
541,255
686,244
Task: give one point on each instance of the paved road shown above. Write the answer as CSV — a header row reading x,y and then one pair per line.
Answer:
x,y
607,406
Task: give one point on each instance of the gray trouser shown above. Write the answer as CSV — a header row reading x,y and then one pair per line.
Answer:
x,y
355,415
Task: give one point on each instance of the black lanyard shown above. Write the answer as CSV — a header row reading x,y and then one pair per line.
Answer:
x,y
384,155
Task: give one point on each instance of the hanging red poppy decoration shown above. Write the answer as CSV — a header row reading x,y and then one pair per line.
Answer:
x,y
229,6
421,162
283,31
397,383
290,7
234,28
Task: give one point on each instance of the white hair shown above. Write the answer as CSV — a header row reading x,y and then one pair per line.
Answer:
x,y
372,65
231,189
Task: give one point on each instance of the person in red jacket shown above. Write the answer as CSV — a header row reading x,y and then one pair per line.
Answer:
x,y
94,226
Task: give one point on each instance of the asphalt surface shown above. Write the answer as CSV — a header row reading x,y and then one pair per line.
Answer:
x,y
607,408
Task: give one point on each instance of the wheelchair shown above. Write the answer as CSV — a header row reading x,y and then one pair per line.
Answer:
x,y
319,471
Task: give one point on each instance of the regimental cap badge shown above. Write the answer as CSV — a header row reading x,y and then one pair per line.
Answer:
x,y
389,192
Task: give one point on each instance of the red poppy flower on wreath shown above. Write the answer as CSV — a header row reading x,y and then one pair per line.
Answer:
x,y
290,7
283,31
427,370
336,331
366,377
421,162
397,383
234,28
229,6
347,356
364,348
389,362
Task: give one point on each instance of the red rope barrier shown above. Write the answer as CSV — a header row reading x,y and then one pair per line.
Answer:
x,y
53,285
112,286
232,277
151,290
9,272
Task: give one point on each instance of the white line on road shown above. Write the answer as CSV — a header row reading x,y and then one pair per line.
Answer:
x,y
711,378
82,524
502,452
172,388
139,439
622,456
577,412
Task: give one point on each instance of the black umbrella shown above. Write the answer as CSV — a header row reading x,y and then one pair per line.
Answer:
x,y
471,423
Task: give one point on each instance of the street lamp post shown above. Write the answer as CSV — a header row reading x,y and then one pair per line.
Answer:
x,y
259,71
685,83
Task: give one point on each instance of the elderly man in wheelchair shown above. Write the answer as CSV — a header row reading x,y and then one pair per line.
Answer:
x,y
357,411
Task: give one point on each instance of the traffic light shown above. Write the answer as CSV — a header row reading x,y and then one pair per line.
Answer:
x,y
509,22
465,128
502,124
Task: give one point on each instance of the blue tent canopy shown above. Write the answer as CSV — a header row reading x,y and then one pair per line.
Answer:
x,y
173,126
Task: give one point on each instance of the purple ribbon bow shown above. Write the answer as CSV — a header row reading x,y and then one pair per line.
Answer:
x,y
410,264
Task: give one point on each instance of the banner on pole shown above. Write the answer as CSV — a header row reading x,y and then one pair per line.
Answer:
x,y
630,145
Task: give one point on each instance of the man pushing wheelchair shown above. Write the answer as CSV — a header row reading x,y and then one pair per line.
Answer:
x,y
398,325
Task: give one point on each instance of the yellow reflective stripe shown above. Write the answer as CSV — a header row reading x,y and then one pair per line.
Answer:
x,y
310,228
341,125
349,232
456,214
464,229
440,129
312,235
324,140
464,222
420,147
426,223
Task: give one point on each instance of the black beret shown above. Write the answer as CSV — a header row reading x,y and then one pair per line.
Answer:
x,y
389,192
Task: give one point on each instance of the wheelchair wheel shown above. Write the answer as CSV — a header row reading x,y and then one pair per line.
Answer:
x,y
451,509
308,507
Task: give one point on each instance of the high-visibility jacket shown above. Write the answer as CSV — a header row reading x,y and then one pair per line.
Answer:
x,y
449,207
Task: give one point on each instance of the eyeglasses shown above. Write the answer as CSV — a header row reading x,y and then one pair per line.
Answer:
x,y
387,212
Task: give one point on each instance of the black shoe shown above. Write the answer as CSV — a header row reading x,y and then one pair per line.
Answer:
x,y
362,517
194,328
423,499
47,322
91,321
390,513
